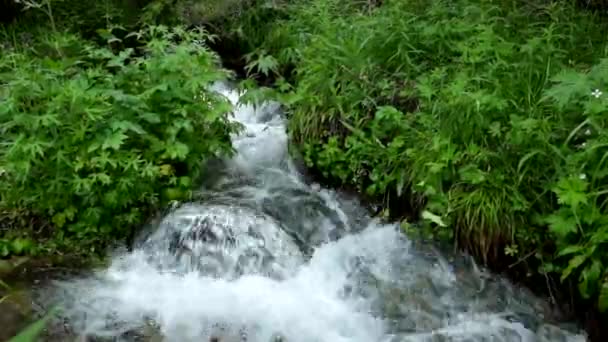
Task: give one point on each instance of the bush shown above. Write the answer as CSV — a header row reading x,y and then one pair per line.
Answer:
x,y
94,139
490,114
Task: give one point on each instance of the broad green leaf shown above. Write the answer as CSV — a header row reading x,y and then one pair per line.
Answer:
x,y
573,264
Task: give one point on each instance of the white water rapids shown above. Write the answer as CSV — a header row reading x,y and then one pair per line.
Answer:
x,y
263,256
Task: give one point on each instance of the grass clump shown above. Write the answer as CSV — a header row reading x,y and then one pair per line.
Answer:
x,y
490,115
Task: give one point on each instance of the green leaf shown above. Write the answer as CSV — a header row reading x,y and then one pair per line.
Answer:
x,y
570,250
589,277
525,158
569,85
177,151
600,235
20,245
602,302
573,264
471,174
185,182
561,225
114,141
571,191
59,220
149,117
124,125
427,215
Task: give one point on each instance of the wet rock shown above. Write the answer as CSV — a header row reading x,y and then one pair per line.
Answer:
x,y
222,241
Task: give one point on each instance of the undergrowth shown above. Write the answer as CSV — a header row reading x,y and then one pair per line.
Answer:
x,y
490,114
96,137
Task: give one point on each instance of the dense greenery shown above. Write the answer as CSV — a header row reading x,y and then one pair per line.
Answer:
x,y
95,137
485,120
488,115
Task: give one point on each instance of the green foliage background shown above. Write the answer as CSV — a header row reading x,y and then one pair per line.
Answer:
x,y
485,121
97,134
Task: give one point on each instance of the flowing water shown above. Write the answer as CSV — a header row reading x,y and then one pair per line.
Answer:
x,y
264,256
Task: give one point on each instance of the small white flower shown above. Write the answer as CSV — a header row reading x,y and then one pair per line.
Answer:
x,y
588,132
582,176
597,93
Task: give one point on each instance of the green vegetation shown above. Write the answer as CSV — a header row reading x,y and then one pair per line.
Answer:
x,y
487,116
97,136
485,121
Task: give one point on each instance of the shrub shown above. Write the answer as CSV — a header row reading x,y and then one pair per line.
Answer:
x,y
489,113
93,139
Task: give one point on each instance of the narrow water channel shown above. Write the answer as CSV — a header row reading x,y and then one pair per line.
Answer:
x,y
263,256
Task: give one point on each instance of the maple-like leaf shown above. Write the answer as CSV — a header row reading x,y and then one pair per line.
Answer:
x,y
571,191
561,224
114,140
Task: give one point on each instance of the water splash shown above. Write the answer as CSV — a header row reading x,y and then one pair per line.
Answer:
x,y
265,257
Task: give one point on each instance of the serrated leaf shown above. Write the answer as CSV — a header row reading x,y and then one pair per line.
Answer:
x,y
123,125
569,84
561,225
177,150
114,141
571,191
573,264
